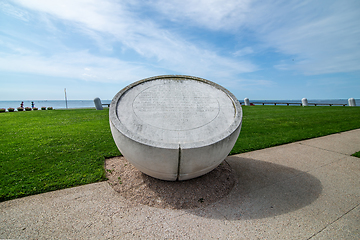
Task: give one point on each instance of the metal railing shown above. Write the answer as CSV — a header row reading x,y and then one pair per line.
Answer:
x,y
293,103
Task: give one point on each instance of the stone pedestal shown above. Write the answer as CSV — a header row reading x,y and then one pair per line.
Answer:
x,y
98,104
304,102
246,102
352,102
175,127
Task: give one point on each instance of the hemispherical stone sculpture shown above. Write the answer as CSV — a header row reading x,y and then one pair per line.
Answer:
x,y
175,127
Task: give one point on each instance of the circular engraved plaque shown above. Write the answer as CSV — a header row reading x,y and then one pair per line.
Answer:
x,y
183,109
175,127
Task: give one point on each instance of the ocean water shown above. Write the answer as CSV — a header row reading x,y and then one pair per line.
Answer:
x,y
61,104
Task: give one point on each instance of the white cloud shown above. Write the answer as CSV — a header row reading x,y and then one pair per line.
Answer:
x,y
322,37
76,65
14,12
243,51
169,50
212,14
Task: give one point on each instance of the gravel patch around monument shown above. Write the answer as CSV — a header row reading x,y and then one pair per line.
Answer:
x,y
139,188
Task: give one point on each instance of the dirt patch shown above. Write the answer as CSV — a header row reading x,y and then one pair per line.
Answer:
x,y
139,188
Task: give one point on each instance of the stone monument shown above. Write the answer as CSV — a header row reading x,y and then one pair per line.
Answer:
x,y
352,102
304,102
247,102
98,104
175,127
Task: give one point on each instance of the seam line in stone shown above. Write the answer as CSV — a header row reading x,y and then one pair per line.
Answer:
x,y
178,168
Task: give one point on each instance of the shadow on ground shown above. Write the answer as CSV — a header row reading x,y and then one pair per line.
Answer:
x,y
263,190
240,188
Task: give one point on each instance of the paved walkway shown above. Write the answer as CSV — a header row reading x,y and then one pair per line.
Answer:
x,y
304,190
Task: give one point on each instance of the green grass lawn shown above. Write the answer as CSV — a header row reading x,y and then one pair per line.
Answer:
x,y
42,151
267,126
48,150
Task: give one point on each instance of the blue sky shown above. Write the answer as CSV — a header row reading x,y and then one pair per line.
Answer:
x,y
268,49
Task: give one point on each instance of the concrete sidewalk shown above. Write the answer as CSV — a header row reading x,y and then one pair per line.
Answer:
x,y
304,190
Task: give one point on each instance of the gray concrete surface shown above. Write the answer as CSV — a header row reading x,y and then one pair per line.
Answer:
x,y
303,190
